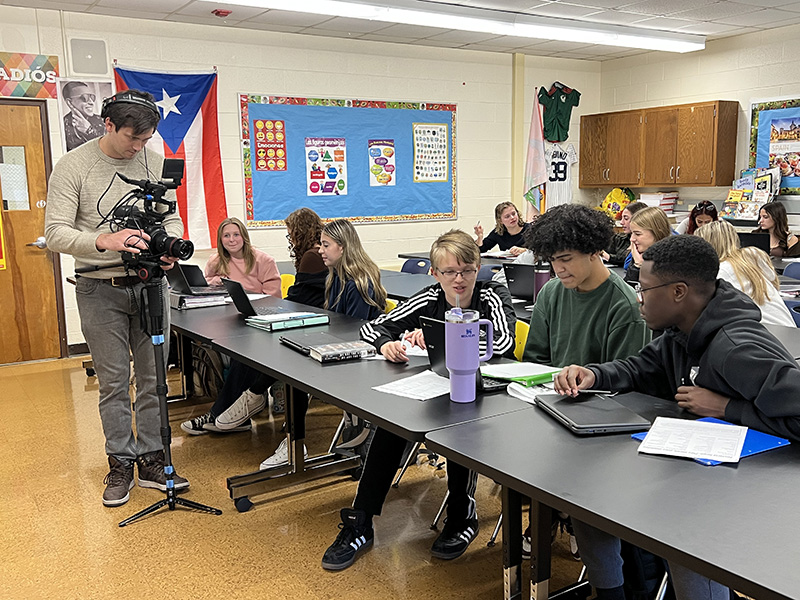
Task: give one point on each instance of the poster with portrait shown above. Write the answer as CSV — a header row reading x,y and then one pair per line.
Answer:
x,y
79,105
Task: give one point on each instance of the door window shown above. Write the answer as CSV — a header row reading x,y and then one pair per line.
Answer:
x,y
14,178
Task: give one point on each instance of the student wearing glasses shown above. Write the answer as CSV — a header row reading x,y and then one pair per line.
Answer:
x,y
702,214
648,226
715,359
455,260
772,219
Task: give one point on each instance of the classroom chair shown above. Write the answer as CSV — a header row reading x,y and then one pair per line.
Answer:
x,y
487,272
287,281
390,305
416,265
792,270
793,306
520,337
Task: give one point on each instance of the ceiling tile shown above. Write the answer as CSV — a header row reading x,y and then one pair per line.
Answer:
x,y
76,6
756,19
507,5
708,28
714,12
615,4
565,11
487,48
613,17
663,23
413,31
794,7
662,7
269,27
439,44
290,18
380,37
145,6
203,9
555,46
125,13
353,25
329,33
211,20
462,37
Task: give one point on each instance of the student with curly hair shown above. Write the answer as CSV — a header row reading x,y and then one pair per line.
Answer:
x,y
303,228
507,232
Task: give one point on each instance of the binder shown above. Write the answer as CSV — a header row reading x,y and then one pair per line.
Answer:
x,y
290,323
754,443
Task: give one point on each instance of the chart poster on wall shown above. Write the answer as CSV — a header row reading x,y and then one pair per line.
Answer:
x,y
333,148
382,162
775,140
430,152
326,167
270,144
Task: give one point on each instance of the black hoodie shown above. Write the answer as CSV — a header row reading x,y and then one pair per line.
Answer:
x,y
728,351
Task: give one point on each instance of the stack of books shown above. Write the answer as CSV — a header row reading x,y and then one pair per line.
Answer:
x,y
664,200
181,302
342,351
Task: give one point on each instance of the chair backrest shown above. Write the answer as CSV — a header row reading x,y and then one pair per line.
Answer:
x,y
487,272
416,265
792,270
520,337
794,308
390,305
287,281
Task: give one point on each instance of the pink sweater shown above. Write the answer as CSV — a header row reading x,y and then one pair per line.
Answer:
x,y
263,279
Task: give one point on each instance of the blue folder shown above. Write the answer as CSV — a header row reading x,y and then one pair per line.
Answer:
x,y
754,442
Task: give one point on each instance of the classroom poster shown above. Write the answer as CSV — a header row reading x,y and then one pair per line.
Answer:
x,y
325,167
270,144
430,152
775,140
381,162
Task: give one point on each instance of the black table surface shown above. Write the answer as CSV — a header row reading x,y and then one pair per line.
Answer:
x,y
788,336
485,260
348,384
732,523
404,285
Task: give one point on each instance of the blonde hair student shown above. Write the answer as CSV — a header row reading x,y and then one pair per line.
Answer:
x,y
749,270
508,230
648,226
354,285
237,259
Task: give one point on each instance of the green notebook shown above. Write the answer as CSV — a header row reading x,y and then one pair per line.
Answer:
x,y
526,373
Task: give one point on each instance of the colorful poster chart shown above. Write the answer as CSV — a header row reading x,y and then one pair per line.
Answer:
x,y
270,144
381,162
430,152
325,167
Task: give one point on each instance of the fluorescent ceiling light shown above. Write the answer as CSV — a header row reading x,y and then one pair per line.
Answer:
x,y
414,12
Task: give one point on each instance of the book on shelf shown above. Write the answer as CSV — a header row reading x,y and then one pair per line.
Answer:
x,y
342,351
290,320
181,302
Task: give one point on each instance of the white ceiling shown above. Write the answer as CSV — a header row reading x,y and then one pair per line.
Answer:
x,y
712,18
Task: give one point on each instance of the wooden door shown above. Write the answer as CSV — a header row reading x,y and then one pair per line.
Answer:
x,y
695,144
29,297
660,146
592,166
623,149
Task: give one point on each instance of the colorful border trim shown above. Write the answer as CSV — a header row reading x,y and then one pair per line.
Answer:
x,y
754,119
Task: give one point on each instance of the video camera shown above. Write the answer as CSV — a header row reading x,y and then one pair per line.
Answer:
x,y
127,215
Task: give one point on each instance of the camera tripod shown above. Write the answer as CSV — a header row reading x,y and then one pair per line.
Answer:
x,y
153,313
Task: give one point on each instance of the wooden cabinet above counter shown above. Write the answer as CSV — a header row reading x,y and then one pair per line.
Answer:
x,y
684,145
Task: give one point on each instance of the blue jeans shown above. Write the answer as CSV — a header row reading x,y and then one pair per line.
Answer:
x,y
110,323
600,552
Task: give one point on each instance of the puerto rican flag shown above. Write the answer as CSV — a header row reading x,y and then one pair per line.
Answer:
x,y
188,130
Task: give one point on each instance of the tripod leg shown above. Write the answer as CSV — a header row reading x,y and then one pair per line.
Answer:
x,y
197,506
143,513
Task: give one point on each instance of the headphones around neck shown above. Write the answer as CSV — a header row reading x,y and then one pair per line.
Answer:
x,y
130,98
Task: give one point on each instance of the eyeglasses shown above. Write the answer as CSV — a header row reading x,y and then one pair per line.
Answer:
x,y
639,290
88,97
465,274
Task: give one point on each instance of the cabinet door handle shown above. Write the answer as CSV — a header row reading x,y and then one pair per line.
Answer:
x,y
678,173
671,169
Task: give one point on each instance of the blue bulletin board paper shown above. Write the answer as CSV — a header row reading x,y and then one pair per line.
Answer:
x,y
284,167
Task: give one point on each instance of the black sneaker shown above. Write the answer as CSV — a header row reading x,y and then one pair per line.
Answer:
x,y
118,482
454,539
151,472
354,536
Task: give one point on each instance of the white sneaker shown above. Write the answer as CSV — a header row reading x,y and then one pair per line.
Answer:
x,y
246,405
281,456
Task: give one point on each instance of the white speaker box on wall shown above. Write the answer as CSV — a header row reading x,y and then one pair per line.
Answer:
x,y
88,57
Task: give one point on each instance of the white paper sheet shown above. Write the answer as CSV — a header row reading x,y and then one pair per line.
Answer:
x,y
694,439
422,386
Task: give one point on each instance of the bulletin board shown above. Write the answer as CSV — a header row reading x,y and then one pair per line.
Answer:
x,y
775,140
364,160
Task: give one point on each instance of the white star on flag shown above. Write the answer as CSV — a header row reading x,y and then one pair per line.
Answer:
x,y
167,103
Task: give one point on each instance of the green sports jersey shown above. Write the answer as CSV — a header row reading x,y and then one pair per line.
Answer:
x,y
557,105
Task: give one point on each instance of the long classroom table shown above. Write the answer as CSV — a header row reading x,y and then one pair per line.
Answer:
x,y
347,385
736,524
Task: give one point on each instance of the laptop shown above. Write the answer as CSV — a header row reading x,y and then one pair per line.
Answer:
x,y
188,280
303,342
758,240
592,414
520,280
433,332
243,304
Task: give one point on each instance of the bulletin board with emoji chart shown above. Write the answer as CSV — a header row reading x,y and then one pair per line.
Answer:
x,y
363,160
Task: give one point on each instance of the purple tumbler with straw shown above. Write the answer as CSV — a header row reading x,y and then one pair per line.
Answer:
x,y
462,352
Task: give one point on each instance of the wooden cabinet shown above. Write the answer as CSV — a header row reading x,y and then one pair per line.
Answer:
x,y
685,145
610,149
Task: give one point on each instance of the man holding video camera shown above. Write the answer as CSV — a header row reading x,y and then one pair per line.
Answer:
x,y
83,189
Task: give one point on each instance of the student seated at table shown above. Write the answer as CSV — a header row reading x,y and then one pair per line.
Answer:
x,y
702,214
507,232
303,230
244,387
772,219
648,226
352,287
749,270
587,314
714,358
619,249
455,260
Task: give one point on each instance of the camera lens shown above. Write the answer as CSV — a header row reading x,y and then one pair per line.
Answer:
x,y
162,244
182,249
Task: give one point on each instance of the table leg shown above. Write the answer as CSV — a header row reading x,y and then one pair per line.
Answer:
x,y
541,520
512,544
